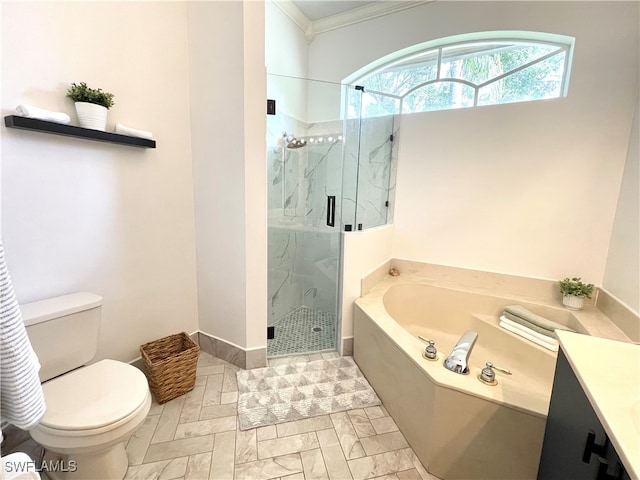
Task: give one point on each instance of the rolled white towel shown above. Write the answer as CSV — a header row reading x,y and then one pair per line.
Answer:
x,y
30,111
132,132
549,344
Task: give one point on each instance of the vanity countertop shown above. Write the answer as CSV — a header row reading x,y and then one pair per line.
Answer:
x,y
609,373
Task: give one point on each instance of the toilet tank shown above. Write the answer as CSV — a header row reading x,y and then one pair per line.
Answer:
x,y
63,331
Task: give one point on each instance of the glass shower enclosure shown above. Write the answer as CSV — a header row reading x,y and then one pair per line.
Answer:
x,y
328,171
304,174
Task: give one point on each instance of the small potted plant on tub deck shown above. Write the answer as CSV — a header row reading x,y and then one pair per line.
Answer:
x,y
91,104
574,291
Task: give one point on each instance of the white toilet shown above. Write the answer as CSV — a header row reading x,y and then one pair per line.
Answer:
x,y
91,410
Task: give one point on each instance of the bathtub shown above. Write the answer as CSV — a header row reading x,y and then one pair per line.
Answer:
x,y
458,426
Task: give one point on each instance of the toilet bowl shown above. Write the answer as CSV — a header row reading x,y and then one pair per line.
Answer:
x,y
91,409
90,413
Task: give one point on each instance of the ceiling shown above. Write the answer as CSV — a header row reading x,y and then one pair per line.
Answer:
x,y
316,10
319,16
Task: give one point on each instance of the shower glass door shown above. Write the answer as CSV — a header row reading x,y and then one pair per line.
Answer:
x,y
372,128
304,173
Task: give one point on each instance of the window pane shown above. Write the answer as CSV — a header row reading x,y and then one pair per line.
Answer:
x,y
537,82
374,105
439,96
354,102
401,77
479,72
479,63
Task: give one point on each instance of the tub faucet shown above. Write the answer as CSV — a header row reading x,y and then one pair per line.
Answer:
x,y
459,357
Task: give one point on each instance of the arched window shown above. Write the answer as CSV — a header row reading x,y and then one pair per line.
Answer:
x,y
486,68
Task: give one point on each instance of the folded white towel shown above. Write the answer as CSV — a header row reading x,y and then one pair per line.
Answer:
x,y
530,317
541,336
132,132
549,344
30,111
21,397
529,325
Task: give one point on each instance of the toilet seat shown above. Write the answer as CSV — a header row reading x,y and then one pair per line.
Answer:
x,y
94,399
90,412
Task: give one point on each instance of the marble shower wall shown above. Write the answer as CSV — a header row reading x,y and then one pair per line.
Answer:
x,y
374,171
371,159
303,251
283,168
302,270
350,172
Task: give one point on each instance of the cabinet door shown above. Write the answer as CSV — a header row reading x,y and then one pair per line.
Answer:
x,y
575,443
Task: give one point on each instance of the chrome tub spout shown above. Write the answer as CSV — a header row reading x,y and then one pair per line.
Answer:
x,y
458,360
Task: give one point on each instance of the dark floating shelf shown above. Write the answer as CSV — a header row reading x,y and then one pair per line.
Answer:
x,y
24,123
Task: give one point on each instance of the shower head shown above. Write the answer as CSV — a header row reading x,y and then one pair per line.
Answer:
x,y
290,141
296,143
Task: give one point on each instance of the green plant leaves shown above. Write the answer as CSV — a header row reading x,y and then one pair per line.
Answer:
x,y
574,286
83,93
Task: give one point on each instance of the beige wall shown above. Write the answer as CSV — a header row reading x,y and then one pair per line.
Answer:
x,y
228,91
286,49
82,215
622,277
362,252
515,189
122,222
286,56
255,174
528,189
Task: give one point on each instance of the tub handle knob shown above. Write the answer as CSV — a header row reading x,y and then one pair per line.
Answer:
x,y
430,351
502,369
488,375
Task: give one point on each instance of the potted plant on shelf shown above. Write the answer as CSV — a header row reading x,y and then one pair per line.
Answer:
x,y
91,104
574,291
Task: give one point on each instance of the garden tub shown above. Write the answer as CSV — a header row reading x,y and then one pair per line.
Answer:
x,y
458,426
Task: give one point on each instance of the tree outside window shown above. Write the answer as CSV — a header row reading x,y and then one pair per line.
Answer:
x,y
465,74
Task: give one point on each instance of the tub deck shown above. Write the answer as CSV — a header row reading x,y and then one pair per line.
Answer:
x,y
458,426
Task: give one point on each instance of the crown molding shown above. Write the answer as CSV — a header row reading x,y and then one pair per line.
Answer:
x,y
351,17
295,14
362,14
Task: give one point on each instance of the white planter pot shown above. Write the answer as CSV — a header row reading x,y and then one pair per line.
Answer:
x,y
92,116
572,302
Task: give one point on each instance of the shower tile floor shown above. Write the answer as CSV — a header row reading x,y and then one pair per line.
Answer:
x,y
305,330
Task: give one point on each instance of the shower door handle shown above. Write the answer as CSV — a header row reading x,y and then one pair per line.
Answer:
x,y
331,210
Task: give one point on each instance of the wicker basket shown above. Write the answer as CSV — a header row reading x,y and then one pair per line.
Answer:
x,y
171,365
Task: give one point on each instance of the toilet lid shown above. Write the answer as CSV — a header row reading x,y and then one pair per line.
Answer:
x,y
93,396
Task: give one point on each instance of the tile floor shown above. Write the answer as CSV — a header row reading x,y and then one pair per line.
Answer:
x,y
196,437
306,329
